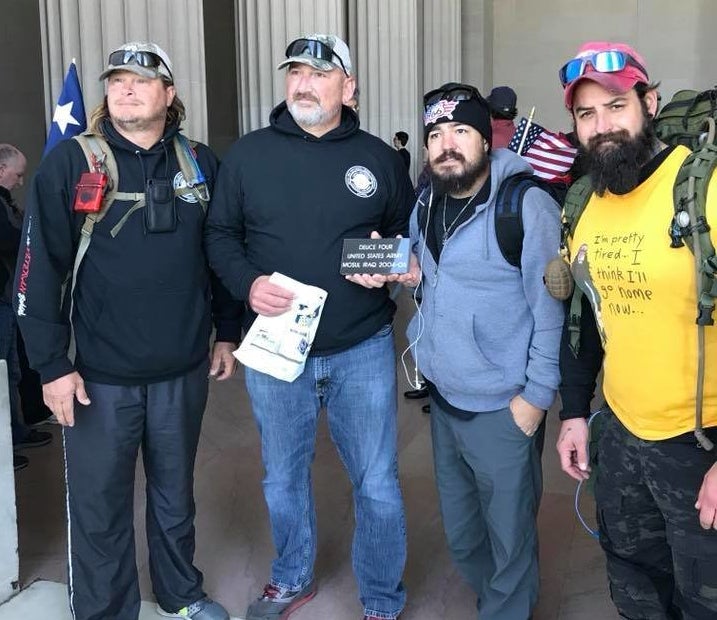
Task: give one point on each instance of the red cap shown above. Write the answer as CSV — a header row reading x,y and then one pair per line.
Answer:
x,y
618,82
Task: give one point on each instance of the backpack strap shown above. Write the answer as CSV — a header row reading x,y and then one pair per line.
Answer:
x,y
509,230
100,159
576,200
192,173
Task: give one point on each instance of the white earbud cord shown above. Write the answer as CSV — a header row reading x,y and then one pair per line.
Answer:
x,y
415,382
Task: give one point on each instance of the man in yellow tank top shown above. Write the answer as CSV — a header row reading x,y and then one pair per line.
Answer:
x,y
656,488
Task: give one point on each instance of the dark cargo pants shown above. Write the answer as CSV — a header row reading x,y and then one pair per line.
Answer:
x,y
101,456
661,564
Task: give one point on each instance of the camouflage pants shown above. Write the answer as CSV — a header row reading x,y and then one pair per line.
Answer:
x,y
660,563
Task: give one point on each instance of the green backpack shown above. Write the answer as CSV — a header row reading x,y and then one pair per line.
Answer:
x,y
688,119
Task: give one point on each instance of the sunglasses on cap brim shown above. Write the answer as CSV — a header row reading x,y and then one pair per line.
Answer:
x,y
460,92
143,59
314,49
608,61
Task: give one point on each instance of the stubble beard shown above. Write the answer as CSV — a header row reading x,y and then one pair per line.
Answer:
x,y
130,123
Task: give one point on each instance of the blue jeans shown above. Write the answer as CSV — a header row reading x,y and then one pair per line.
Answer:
x,y
8,352
358,389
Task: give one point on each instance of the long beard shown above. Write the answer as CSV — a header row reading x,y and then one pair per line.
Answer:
x,y
616,166
453,183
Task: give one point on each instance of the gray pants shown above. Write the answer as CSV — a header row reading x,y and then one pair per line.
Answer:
x,y
489,482
101,457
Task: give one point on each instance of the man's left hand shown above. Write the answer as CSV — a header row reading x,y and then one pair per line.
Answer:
x,y
528,417
707,499
223,362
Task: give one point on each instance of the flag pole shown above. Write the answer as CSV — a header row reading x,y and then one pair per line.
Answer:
x,y
525,131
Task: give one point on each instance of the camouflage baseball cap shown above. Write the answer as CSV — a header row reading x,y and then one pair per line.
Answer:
x,y
324,52
145,59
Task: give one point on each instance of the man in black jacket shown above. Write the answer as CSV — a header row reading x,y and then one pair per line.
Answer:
x,y
400,140
138,312
12,173
286,198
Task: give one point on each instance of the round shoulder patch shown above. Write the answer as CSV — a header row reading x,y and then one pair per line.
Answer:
x,y
180,183
361,181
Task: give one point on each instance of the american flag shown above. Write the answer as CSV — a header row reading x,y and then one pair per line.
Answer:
x,y
550,154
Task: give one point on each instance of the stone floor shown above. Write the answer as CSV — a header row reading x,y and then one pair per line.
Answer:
x,y
233,540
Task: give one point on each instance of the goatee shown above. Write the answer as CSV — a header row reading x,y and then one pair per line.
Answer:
x,y
615,160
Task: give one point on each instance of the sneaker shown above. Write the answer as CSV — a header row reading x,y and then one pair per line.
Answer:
x,y
203,609
33,439
421,392
278,603
19,461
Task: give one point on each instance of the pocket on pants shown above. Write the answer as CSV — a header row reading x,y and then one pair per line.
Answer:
x,y
695,565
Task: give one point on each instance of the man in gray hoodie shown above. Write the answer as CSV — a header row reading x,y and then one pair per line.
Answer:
x,y
486,338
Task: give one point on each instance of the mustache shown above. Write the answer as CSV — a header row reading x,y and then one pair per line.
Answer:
x,y
449,155
305,97
620,137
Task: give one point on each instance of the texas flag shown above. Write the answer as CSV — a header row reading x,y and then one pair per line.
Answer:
x,y
69,117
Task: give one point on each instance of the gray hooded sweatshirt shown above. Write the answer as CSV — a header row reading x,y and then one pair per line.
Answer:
x,y
487,331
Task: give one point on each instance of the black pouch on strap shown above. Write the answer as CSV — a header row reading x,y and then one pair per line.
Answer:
x,y
160,214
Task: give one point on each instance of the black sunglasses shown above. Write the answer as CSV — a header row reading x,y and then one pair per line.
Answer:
x,y
457,92
143,59
315,49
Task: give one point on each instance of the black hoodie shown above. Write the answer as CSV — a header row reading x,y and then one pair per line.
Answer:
x,y
142,300
285,201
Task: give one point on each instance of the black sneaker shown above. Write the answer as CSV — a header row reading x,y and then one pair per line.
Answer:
x,y
19,461
34,439
278,603
421,392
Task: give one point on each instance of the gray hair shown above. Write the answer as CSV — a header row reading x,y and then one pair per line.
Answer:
x,y
8,152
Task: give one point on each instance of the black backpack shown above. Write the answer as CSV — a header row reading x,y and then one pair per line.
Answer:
x,y
509,211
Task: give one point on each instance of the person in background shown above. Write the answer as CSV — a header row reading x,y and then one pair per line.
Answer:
x,y
400,140
12,174
503,110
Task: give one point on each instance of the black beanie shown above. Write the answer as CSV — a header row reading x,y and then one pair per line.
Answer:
x,y
473,112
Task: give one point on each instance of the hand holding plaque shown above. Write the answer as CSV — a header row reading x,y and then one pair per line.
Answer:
x,y
375,256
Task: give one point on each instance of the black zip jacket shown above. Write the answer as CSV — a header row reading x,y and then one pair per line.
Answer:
x,y
142,300
10,218
285,201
